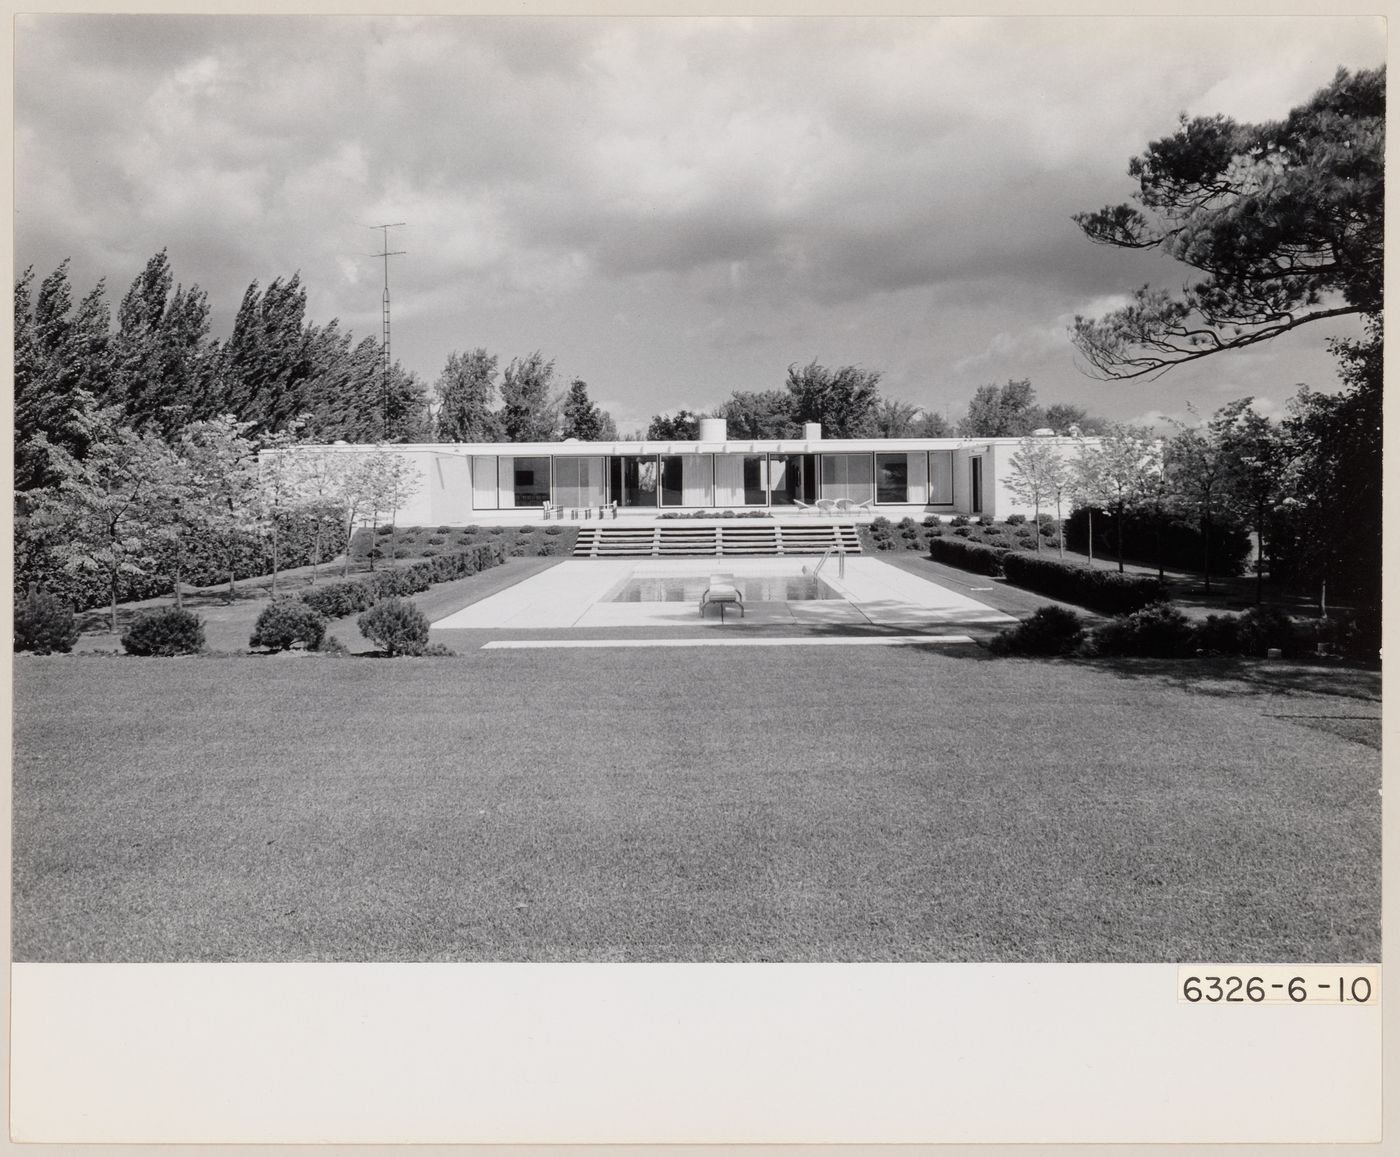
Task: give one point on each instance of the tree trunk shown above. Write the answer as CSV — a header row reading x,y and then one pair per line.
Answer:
x,y
1259,559
232,588
1091,537
1037,522
179,566
1205,547
1059,528
274,557
1161,562
1119,515
114,602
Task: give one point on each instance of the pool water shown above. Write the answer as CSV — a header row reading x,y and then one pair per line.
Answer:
x,y
768,588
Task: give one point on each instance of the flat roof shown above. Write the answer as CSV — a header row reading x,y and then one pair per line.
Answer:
x,y
675,446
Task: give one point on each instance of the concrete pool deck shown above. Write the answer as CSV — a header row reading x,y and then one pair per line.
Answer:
x,y
873,593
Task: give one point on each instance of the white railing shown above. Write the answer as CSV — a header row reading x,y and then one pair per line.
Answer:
x,y
840,551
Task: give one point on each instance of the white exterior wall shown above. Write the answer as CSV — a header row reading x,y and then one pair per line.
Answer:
x,y
450,489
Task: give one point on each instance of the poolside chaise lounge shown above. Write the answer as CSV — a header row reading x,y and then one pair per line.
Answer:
x,y
722,593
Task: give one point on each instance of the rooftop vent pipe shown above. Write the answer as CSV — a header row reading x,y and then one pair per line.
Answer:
x,y
713,430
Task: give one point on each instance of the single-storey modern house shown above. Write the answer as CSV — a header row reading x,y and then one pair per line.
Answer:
x,y
460,483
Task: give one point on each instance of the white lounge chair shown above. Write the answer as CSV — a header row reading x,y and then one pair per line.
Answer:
x,y
722,593
854,508
826,506
802,506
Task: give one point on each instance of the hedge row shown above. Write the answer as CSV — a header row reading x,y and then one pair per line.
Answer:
x,y
336,600
1108,591
971,556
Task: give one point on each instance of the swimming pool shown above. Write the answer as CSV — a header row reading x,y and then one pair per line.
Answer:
x,y
766,588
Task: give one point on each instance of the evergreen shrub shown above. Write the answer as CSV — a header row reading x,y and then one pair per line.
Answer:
x,y
1159,631
1102,590
44,624
164,632
968,555
1050,631
285,621
396,626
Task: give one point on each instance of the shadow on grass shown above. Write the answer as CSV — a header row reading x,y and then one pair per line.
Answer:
x,y
1233,676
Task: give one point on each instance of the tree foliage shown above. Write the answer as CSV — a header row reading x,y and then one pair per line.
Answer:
x,y
846,400
583,419
1282,219
466,391
527,413
682,426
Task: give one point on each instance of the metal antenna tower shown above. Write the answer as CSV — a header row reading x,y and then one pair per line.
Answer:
x,y
388,360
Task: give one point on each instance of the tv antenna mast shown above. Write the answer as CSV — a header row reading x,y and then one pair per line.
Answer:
x,y
388,359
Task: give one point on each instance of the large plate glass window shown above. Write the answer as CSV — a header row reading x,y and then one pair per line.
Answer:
x,y
527,479
850,476
579,482
940,477
634,479
792,478
892,478
976,464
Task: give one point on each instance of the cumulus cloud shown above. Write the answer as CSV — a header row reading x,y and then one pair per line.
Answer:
x,y
897,192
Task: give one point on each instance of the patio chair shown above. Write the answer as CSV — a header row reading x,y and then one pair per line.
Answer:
x,y
802,506
551,511
855,509
826,506
722,593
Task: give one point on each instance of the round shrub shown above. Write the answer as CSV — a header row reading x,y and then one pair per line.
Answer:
x,y
879,523
1218,635
525,530
936,530
428,552
1047,530
164,632
1015,519
332,646
991,531
1263,627
286,621
436,651
436,539
396,626
1050,631
1045,518
469,530
553,530
884,544
907,523
961,520
44,624
931,520
444,530
986,520
518,550
385,529
1159,631
496,530
963,531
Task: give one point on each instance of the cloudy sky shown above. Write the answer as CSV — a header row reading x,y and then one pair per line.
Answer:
x,y
671,208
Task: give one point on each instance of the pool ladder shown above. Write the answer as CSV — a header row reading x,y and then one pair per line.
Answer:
x,y
840,552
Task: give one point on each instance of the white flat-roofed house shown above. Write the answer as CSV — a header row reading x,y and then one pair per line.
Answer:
x,y
461,483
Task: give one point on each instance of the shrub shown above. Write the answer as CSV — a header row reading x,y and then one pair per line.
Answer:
x,y
1103,590
553,530
384,529
991,531
444,530
931,520
1263,627
986,520
44,624
963,531
396,626
1182,543
436,539
436,651
1047,530
880,523
1156,632
338,599
165,631
1050,631
428,552
286,621
1045,518
961,520
525,530
936,530
967,555
496,530
1015,520
727,514
470,530
907,523
1218,635
332,646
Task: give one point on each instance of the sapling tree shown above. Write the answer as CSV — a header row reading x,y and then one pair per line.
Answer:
x,y
1038,473
1113,473
223,472
1195,464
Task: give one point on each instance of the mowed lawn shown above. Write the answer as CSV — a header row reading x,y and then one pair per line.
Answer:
x,y
831,803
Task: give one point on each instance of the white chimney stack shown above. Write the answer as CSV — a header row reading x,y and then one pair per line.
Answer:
x,y
713,430
811,431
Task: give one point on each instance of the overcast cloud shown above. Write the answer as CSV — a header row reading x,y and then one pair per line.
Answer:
x,y
671,208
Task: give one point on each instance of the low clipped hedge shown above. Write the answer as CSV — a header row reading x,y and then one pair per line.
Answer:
x,y
1107,591
959,552
336,600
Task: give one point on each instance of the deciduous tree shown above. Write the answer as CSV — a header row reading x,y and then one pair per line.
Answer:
x,y
466,392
